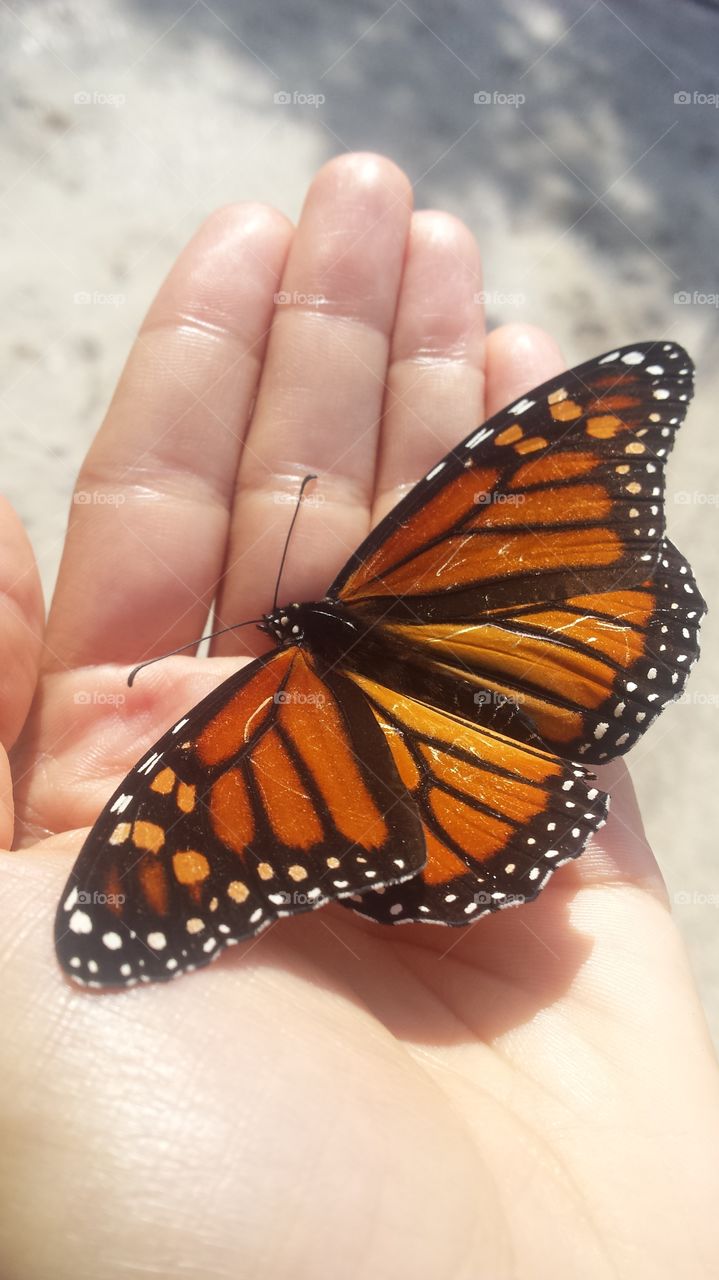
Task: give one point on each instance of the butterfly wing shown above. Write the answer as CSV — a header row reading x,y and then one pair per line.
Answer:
x,y
499,817
529,569
589,673
275,794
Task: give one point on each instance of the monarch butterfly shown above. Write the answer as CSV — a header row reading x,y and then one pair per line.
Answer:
x,y
417,744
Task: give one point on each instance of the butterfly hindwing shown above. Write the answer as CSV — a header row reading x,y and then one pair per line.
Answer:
x,y
274,795
588,674
498,817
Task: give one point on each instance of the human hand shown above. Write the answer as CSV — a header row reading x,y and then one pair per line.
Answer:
x,y
534,1096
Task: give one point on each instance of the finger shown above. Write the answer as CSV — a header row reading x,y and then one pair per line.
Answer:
x,y
320,396
519,357
148,525
88,730
435,383
620,851
21,623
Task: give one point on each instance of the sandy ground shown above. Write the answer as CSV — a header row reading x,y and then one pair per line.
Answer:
x,y
123,124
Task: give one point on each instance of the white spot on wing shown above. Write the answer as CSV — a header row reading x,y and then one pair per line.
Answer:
x,y
435,471
478,437
150,763
80,922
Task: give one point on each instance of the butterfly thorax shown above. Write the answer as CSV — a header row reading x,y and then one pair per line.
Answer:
x,y
323,626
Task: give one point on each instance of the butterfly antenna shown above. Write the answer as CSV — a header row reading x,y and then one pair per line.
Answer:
x,y
303,486
191,645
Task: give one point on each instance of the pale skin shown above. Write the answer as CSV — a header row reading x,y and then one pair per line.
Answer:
x,y
534,1096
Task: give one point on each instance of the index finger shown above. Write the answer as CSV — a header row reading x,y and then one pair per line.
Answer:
x,y
149,520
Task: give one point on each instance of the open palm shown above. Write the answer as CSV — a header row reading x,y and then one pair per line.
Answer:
x,y
534,1096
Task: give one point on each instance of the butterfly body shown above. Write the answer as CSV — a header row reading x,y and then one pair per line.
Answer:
x,y
323,626
417,744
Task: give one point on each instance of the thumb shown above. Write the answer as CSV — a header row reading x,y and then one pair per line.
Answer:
x,y
21,629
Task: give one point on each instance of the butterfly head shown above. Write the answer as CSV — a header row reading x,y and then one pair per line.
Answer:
x,y
323,626
283,625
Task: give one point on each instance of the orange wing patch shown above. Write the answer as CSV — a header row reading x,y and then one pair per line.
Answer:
x,y
439,515
466,559
338,777
231,811
497,816
290,810
550,470
244,715
559,506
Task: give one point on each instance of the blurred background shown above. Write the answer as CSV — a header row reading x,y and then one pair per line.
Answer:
x,y
578,140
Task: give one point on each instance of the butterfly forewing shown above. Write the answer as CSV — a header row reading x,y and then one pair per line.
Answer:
x,y
559,494
530,570
273,796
